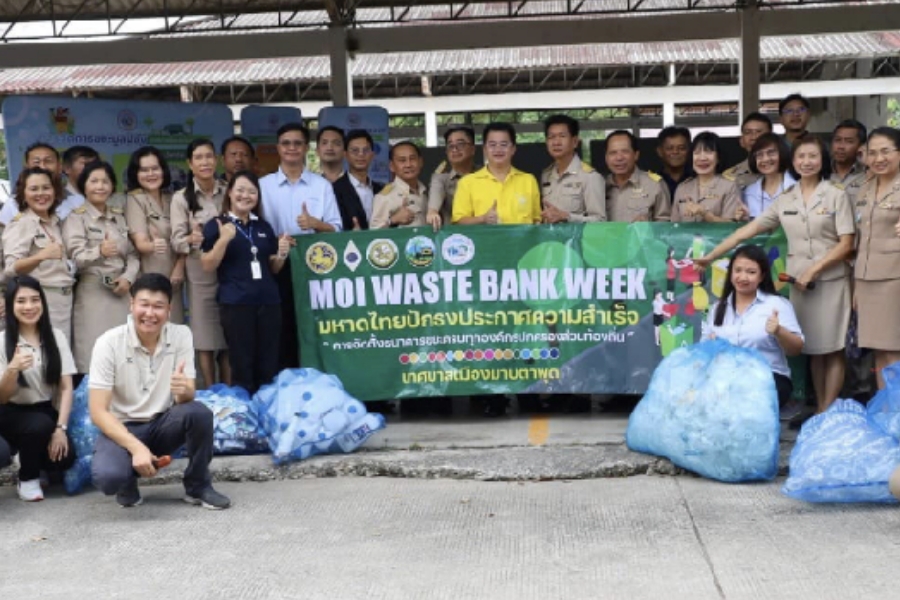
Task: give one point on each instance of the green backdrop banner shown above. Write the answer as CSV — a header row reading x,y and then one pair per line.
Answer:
x,y
405,313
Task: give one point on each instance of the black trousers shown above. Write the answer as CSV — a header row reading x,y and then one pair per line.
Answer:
x,y
289,352
189,424
784,387
253,333
28,428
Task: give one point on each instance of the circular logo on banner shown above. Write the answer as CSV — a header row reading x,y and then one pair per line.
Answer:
x,y
382,253
458,249
420,251
126,120
321,258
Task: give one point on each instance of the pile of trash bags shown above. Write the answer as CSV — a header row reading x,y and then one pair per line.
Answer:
x,y
306,412
849,452
236,427
711,408
83,433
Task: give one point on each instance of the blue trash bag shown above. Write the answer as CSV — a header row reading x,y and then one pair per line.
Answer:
x,y
884,408
305,412
711,408
840,457
83,433
236,424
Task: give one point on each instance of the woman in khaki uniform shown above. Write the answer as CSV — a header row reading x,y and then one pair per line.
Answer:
x,y
708,196
818,222
96,239
192,207
877,283
33,243
148,214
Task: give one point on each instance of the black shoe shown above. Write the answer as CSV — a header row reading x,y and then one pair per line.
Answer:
x,y
384,407
495,406
129,496
209,498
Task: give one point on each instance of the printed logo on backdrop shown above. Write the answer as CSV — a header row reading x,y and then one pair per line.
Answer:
x,y
382,253
352,257
458,249
321,258
420,251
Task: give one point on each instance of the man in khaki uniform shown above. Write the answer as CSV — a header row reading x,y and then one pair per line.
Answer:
x,y
402,203
847,170
442,187
632,194
794,111
571,190
755,124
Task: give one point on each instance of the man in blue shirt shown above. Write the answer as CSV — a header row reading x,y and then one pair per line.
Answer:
x,y
297,202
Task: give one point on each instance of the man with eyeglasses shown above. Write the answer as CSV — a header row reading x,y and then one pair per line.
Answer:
x,y
755,124
330,150
848,171
40,155
355,190
632,194
572,191
296,202
460,162
794,111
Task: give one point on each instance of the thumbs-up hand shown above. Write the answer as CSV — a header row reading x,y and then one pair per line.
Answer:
x,y
356,225
552,214
160,245
741,214
772,324
284,245
52,251
306,220
196,234
403,215
180,384
22,360
108,247
227,230
490,217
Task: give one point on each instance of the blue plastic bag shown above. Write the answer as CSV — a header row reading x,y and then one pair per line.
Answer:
x,y
840,457
305,412
236,425
884,408
83,433
711,408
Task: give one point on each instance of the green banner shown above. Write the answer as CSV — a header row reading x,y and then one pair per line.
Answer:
x,y
405,313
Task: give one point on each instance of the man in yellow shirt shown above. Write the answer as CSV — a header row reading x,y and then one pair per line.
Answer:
x,y
498,193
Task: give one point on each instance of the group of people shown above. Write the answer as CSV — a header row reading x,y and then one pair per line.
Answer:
x,y
96,281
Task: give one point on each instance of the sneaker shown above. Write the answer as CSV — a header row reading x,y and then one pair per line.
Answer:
x,y
790,411
129,496
30,491
209,498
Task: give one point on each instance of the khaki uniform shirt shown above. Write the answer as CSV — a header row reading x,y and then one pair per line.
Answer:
x,y
144,215
579,191
643,195
741,174
140,381
392,198
812,229
722,199
183,220
86,228
441,190
38,389
26,235
853,182
878,251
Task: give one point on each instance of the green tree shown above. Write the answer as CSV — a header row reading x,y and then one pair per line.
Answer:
x,y
893,106
4,167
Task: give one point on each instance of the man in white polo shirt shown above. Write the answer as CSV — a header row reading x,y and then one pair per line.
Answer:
x,y
141,398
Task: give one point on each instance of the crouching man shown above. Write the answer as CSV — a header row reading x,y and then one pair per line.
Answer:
x,y
141,398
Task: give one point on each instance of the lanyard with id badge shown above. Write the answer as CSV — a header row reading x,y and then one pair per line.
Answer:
x,y
255,267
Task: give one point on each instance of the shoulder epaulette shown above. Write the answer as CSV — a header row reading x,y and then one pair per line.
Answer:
x,y
838,185
654,176
386,189
441,168
80,210
117,210
729,174
587,168
17,217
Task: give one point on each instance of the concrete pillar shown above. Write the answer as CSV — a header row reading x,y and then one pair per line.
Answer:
x,y
431,129
341,78
668,114
868,110
749,70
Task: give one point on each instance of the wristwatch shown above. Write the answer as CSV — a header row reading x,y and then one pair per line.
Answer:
x,y
62,426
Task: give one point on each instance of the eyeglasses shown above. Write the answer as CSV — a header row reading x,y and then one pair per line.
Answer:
x,y
331,143
292,143
458,146
767,153
359,151
884,153
148,170
793,112
498,145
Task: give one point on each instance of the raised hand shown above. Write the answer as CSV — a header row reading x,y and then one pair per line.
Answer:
x,y
491,217
306,220
22,360
180,382
160,245
772,323
227,230
108,247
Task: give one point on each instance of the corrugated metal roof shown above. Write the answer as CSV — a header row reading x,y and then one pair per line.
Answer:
x,y
282,70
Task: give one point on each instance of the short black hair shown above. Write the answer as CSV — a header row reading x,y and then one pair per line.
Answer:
x,y
620,132
404,143
239,139
37,145
506,128
791,98
468,131
152,282
134,165
673,131
75,152
764,141
90,168
569,122
803,140
888,132
322,131
294,126
759,117
358,134
861,133
708,140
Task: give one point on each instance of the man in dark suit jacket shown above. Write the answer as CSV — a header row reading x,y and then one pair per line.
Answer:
x,y
355,190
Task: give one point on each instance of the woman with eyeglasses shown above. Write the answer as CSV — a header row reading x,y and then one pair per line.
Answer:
x,y
192,208
33,243
96,238
877,270
770,158
818,223
35,388
707,196
148,211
